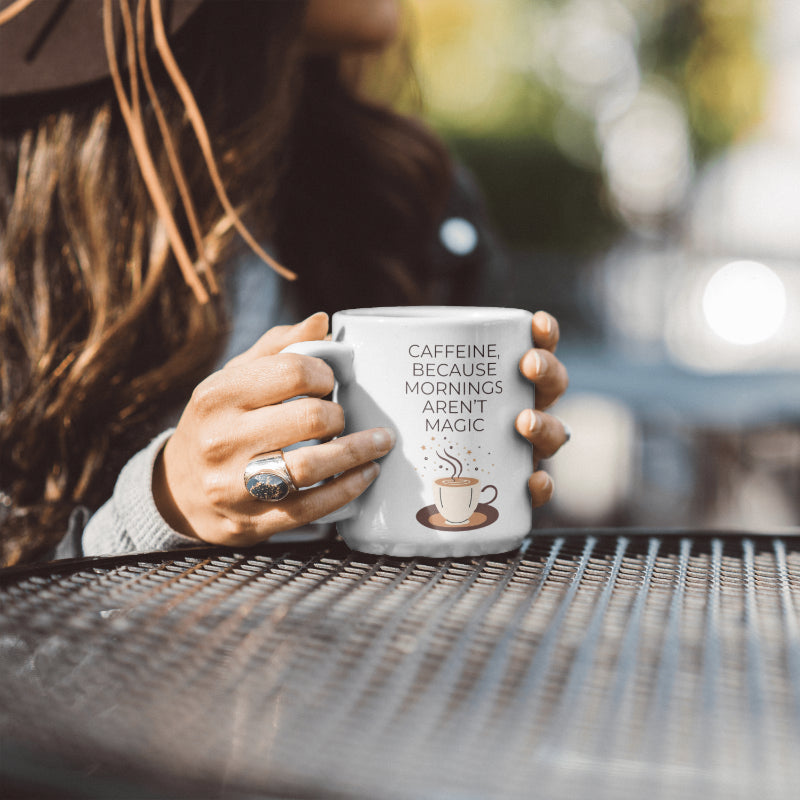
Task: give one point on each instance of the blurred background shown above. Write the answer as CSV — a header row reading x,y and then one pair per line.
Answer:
x,y
640,160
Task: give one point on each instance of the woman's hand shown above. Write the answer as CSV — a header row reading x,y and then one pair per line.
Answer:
x,y
238,413
544,431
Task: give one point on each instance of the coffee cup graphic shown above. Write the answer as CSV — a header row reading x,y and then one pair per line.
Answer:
x,y
456,498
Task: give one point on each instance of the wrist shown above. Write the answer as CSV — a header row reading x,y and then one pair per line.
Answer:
x,y
165,500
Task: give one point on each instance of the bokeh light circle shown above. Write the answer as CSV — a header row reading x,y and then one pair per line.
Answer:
x,y
744,302
458,236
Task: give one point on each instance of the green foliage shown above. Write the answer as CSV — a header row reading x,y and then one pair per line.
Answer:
x,y
536,196
496,84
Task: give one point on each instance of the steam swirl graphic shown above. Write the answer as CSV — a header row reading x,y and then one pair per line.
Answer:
x,y
452,462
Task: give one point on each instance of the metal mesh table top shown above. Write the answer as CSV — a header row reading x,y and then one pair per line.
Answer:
x,y
583,665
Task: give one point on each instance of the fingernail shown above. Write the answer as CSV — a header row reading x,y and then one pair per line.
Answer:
x,y
310,316
534,423
546,322
533,364
370,472
549,485
383,439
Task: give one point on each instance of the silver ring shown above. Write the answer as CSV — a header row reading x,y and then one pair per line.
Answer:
x,y
267,478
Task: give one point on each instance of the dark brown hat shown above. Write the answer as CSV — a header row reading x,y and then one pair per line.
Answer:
x,y
58,44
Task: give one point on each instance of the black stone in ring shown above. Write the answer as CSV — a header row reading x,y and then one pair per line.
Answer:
x,y
267,478
268,486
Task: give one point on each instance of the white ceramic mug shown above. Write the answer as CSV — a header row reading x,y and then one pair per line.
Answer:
x,y
447,381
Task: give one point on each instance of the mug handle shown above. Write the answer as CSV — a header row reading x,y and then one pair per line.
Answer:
x,y
490,486
339,357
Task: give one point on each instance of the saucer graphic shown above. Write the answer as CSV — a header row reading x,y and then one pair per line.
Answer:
x,y
483,515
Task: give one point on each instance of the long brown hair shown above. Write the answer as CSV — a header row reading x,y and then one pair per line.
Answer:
x,y
99,334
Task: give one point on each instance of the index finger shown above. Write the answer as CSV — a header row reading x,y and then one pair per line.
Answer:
x,y
277,338
264,382
545,331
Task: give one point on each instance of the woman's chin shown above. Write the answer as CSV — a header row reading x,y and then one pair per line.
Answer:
x,y
338,26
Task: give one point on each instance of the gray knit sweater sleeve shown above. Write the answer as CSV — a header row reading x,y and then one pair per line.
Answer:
x,y
129,522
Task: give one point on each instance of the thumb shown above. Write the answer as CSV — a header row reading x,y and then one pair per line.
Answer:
x,y
313,328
